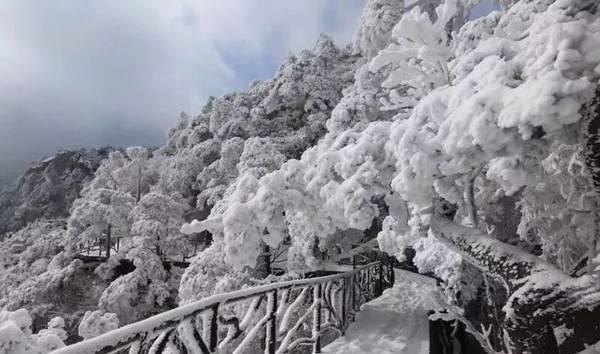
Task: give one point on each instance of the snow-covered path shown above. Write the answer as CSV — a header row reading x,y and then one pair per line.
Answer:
x,y
396,322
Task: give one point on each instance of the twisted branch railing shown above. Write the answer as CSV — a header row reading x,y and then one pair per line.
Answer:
x,y
288,317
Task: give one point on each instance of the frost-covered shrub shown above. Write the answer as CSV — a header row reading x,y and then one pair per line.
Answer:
x,y
434,257
33,276
95,323
16,336
209,274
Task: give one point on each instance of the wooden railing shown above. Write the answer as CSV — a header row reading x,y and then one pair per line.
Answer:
x,y
289,317
96,252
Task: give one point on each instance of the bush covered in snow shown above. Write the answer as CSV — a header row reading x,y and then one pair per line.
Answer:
x,y
95,323
16,336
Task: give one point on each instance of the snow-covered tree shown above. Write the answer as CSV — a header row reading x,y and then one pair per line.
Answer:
x,y
138,156
101,214
157,219
496,118
209,274
37,274
376,23
419,55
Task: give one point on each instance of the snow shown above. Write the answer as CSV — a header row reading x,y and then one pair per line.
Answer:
x,y
96,323
396,322
376,24
592,349
417,108
489,111
16,336
434,257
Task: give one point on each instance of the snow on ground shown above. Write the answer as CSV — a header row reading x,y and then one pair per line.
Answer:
x,y
396,322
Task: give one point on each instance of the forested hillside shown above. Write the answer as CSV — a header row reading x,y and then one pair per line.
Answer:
x,y
47,189
486,126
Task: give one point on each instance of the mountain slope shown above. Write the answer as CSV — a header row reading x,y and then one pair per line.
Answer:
x,y
48,188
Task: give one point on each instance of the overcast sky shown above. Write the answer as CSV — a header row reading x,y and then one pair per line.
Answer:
x,y
92,73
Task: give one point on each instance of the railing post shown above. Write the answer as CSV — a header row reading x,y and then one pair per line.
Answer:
x,y
353,293
344,296
369,283
214,329
380,280
392,274
271,333
316,332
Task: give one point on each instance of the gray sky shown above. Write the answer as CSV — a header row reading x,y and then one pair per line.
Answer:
x,y
92,73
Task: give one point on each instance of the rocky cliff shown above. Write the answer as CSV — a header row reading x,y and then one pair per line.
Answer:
x,y
48,187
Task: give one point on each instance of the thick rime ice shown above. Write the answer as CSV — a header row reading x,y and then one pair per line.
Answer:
x,y
209,274
493,116
376,23
95,323
157,220
16,336
488,112
135,295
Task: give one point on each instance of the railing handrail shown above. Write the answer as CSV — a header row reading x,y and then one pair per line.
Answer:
x,y
126,334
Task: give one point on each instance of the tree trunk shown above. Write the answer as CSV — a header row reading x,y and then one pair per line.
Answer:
x,y
469,196
268,268
108,241
264,268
